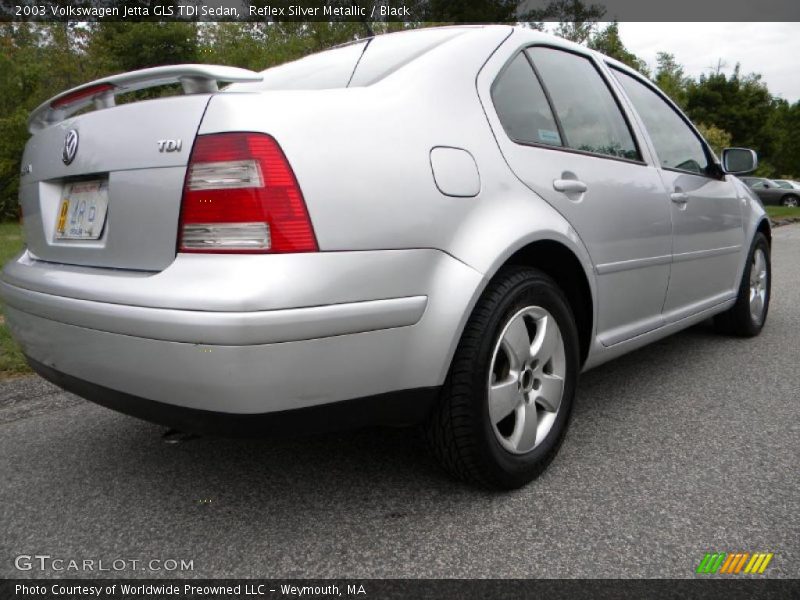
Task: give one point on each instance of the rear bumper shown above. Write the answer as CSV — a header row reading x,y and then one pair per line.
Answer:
x,y
406,407
220,328
297,353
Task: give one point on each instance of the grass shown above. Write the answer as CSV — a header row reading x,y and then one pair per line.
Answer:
x,y
776,212
11,360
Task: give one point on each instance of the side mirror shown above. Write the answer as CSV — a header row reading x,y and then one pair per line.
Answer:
x,y
738,161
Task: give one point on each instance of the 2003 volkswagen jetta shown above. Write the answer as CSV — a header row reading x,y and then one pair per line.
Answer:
x,y
442,226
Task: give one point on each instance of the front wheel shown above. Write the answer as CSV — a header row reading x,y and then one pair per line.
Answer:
x,y
746,318
506,403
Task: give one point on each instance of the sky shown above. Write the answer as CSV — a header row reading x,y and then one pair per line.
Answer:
x,y
772,49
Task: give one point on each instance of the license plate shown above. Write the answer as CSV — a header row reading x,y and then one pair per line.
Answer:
x,y
82,213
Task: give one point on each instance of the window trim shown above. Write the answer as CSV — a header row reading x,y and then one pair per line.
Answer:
x,y
495,82
617,101
717,174
590,59
549,99
630,161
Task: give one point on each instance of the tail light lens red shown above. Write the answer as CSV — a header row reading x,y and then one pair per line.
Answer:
x,y
241,196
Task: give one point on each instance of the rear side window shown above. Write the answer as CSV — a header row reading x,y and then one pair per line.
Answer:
x,y
522,106
590,118
677,146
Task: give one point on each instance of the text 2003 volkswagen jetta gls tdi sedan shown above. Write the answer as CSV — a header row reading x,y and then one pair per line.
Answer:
x,y
443,226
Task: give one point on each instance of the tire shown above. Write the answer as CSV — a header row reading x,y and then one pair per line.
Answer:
x,y
790,200
742,318
472,442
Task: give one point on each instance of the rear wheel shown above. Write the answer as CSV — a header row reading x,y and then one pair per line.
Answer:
x,y
505,405
747,317
790,201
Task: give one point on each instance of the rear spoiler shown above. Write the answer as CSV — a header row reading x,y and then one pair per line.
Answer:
x,y
195,79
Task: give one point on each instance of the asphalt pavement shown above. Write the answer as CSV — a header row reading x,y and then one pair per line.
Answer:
x,y
688,446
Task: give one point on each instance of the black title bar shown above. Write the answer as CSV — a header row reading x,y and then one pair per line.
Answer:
x,y
452,11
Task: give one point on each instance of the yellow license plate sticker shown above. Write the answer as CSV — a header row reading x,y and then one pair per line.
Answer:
x,y
62,216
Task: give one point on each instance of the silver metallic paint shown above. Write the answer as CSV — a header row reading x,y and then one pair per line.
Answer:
x,y
223,328
265,377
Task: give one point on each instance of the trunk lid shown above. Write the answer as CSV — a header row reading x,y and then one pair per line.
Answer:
x,y
119,146
104,188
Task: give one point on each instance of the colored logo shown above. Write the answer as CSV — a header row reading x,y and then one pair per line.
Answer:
x,y
734,563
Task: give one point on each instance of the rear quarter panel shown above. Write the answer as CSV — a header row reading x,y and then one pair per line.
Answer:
x,y
362,159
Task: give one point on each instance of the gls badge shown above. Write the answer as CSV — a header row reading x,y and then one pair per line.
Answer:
x,y
170,145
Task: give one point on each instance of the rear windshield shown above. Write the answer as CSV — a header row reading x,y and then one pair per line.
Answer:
x,y
330,69
387,53
356,64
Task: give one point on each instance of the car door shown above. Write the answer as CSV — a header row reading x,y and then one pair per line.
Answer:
x,y
706,209
569,141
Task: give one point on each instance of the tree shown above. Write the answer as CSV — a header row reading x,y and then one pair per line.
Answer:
x,y
36,62
670,78
576,20
738,104
608,42
783,126
716,137
125,46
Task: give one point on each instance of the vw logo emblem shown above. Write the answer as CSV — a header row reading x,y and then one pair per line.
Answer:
x,y
70,147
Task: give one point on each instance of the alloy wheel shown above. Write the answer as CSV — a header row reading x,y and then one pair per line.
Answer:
x,y
526,379
758,285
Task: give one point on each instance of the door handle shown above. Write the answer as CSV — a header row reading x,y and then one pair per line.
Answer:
x,y
679,197
569,186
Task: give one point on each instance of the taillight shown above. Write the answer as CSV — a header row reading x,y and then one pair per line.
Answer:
x,y
241,196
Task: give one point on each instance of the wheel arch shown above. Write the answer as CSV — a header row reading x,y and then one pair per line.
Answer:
x,y
765,228
563,266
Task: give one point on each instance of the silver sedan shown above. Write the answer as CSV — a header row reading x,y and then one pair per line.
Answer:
x,y
440,227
